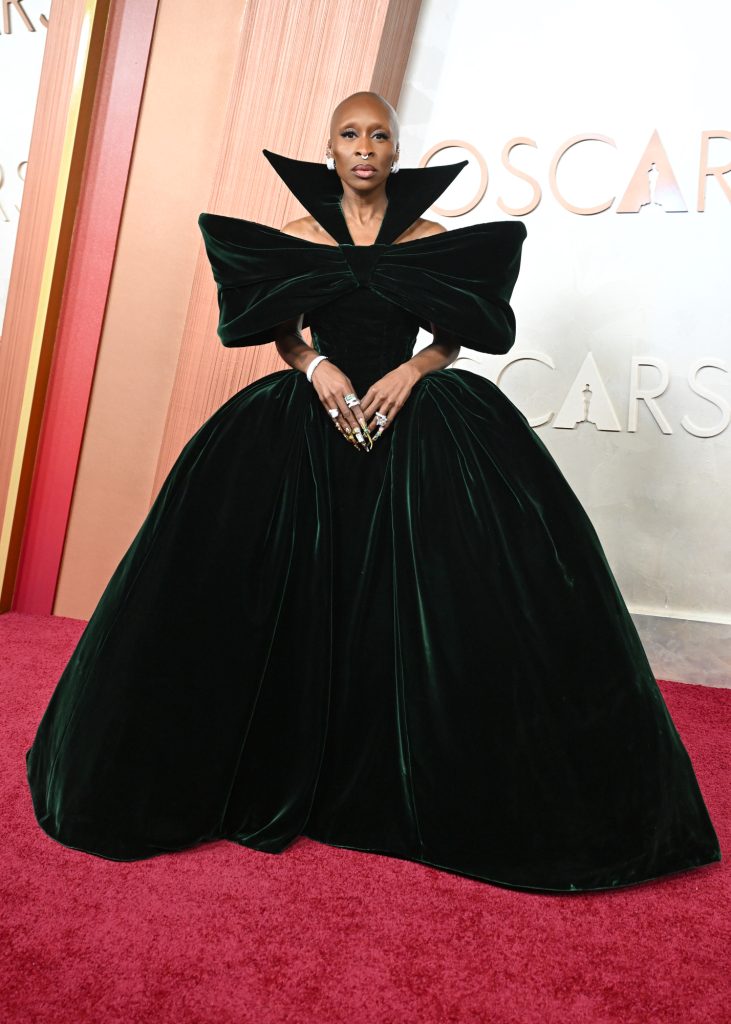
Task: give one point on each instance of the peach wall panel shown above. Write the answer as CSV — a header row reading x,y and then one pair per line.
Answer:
x,y
181,120
295,62
218,90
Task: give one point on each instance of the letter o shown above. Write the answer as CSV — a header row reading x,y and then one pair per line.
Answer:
x,y
482,188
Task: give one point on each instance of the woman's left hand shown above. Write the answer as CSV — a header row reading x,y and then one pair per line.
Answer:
x,y
388,395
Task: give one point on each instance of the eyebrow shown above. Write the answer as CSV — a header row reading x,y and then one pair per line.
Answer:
x,y
350,124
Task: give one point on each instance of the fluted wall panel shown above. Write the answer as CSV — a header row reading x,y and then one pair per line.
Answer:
x,y
295,62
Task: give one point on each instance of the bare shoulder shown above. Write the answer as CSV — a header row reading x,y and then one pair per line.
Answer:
x,y
300,228
421,228
429,227
306,228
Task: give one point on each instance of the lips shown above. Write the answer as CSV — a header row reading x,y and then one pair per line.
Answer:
x,y
364,170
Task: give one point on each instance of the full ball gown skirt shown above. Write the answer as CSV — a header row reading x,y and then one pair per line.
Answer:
x,y
418,651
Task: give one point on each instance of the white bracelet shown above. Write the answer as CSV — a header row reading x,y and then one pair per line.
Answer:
x,y
312,365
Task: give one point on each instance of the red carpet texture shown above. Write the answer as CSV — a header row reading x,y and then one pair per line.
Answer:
x,y
225,934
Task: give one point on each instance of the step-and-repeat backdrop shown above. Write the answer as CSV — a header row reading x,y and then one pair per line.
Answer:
x,y
607,130
22,40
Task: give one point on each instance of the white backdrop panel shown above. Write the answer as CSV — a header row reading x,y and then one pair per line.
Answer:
x,y
22,41
623,303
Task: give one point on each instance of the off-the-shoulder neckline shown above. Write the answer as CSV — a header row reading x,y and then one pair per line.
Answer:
x,y
385,245
320,191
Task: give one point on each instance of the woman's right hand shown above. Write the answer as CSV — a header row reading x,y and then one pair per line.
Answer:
x,y
329,382
332,385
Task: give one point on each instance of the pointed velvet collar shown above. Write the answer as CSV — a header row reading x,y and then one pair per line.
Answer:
x,y
410,192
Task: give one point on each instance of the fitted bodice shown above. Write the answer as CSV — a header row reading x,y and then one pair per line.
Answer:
x,y
364,335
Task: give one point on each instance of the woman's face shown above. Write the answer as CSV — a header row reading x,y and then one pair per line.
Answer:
x,y
363,145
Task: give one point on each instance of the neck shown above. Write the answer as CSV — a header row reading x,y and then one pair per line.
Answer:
x,y
364,208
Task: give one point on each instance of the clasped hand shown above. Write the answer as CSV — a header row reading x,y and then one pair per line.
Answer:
x,y
358,423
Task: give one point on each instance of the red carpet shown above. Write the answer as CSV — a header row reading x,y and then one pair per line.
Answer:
x,y
225,934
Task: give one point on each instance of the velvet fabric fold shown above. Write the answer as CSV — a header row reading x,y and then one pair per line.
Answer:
x,y
265,276
419,651
461,280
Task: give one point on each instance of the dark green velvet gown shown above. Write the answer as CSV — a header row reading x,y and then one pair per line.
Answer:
x,y
418,651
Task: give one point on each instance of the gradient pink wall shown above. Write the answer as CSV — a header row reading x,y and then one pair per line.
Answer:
x,y
216,91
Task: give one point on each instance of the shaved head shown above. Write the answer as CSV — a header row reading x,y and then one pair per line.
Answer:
x,y
376,105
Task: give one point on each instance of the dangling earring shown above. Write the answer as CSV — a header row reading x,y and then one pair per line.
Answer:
x,y
395,167
330,163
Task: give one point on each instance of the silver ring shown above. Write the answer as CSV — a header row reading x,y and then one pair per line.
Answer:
x,y
334,413
351,400
381,419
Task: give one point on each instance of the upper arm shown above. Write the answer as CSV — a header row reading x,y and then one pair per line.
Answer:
x,y
441,336
300,228
288,327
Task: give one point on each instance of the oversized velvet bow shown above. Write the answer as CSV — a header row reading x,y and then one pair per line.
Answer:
x,y
459,280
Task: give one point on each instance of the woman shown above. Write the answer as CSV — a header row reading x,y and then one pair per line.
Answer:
x,y
366,606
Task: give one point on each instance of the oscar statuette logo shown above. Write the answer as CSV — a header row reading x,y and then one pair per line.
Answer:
x,y
653,186
588,401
